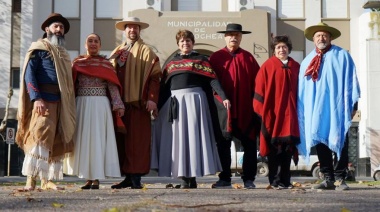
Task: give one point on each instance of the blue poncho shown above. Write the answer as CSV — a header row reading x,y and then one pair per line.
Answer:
x,y
325,106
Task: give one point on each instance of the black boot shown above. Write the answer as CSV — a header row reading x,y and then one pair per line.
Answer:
x,y
127,182
136,181
185,182
192,182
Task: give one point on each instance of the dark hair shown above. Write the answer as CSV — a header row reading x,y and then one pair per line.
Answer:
x,y
282,39
100,40
183,33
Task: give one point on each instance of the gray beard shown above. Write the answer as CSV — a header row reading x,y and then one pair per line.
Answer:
x,y
322,46
56,40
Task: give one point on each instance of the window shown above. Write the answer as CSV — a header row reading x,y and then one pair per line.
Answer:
x,y
189,5
334,9
68,8
290,8
15,78
16,6
108,9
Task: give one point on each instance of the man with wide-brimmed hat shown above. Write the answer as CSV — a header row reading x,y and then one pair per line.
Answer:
x,y
236,69
46,111
139,73
328,91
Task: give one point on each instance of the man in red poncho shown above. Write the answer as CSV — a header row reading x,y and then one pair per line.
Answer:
x,y
236,69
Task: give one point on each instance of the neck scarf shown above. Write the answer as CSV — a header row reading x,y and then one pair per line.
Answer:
x,y
315,63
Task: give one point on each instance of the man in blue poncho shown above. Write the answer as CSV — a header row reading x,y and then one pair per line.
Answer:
x,y
328,91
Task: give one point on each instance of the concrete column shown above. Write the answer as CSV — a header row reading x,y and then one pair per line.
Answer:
x,y
313,12
87,15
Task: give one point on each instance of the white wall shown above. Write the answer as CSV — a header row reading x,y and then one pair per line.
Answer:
x,y
129,5
5,50
270,6
212,5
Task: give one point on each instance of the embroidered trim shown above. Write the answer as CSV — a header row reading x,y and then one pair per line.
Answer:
x,y
92,92
189,65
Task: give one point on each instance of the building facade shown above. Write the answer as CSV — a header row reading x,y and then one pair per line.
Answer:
x,y
20,22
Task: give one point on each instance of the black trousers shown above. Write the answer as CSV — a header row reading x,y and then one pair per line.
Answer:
x,y
332,168
279,168
249,157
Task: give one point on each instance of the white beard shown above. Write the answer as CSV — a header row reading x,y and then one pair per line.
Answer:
x,y
56,40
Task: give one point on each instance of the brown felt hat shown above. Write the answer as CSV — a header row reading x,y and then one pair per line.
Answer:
x,y
56,17
311,30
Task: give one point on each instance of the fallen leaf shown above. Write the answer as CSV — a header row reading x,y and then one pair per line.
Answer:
x,y
269,187
345,210
169,185
297,184
298,190
57,205
29,199
99,198
237,186
112,210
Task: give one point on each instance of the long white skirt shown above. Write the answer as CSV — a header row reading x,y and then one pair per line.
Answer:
x,y
186,147
95,154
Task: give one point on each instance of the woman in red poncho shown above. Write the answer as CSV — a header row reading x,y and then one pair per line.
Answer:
x,y
95,154
275,101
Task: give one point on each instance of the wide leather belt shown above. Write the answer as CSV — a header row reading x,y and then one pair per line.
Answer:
x,y
49,88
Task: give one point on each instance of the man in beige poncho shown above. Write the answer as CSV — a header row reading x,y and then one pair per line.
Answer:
x,y
139,71
46,112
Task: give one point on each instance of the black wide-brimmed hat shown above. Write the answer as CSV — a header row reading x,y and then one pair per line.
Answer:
x,y
234,28
56,17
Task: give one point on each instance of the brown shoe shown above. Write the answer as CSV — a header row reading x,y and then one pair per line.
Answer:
x,y
95,184
87,185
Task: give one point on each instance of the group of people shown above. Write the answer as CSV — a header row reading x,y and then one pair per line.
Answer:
x,y
93,117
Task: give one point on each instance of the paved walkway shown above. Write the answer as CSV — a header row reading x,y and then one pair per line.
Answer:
x,y
363,196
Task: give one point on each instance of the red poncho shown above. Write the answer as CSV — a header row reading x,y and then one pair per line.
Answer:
x,y
237,72
275,102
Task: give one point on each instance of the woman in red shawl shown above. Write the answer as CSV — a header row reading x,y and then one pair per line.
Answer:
x,y
275,101
95,154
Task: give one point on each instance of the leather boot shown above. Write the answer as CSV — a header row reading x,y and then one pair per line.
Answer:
x,y
127,182
136,181
185,182
192,182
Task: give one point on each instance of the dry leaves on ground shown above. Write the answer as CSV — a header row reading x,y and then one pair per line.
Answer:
x,y
237,186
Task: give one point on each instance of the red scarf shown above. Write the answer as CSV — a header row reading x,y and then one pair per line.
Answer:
x,y
315,63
